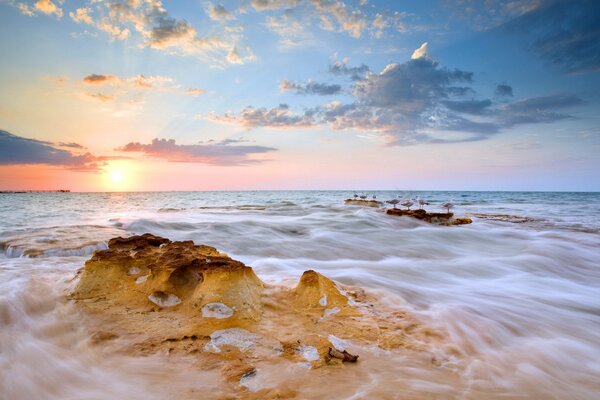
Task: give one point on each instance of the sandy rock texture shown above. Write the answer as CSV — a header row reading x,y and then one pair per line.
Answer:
x,y
148,294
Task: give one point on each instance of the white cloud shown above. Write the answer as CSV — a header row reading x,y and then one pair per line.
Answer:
x,y
421,52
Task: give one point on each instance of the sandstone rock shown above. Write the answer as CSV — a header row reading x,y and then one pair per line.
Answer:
x,y
360,202
315,292
433,218
179,298
150,270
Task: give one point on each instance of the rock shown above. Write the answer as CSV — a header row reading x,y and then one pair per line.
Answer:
x,y
365,203
460,221
433,218
171,274
315,292
342,355
197,301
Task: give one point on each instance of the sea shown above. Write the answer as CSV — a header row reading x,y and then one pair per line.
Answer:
x,y
517,291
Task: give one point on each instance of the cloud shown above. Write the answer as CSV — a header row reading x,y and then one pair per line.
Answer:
x,y
351,21
219,153
82,15
564,33
194,91
279,116
47,7
487,15
410,87
417,101
503,90
134,82
421,52
72,145
331,15
310,87
95,79
150,21
541,109
16,150
262,5
219,13
475,107
292,32
355,73
101,96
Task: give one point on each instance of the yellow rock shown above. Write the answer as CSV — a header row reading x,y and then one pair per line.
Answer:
x,y
316,292
149,270
149,294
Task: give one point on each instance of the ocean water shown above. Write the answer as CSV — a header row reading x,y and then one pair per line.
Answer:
x,y
519,295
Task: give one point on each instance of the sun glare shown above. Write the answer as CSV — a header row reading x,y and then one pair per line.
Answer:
x,y
117,176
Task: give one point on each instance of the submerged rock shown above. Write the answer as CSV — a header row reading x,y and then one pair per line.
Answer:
x,y
433,218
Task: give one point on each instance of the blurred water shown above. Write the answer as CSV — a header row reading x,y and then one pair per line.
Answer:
x,y
521,300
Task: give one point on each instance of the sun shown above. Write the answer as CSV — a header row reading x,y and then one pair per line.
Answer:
x,y
117,176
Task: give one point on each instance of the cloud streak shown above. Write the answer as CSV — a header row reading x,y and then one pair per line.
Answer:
x,y
225,153
310,87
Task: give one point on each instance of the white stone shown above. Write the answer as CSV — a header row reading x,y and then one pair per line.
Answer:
x,y
134,271
309,353
323,300
216,310
163,299
237,337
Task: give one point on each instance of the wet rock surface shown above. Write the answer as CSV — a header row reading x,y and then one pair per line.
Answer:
x,y
433,218
360,202
196,301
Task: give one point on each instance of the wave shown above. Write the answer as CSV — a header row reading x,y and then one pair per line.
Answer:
x,y
57,241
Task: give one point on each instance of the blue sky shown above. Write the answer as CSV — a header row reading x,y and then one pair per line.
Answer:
x,y
300,94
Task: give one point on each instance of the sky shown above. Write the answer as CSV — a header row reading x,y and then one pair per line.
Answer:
x,y
136,95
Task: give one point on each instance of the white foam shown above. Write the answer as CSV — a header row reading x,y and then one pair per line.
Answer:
x,y
236,337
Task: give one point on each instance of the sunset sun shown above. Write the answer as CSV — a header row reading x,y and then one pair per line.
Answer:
x,y
117,176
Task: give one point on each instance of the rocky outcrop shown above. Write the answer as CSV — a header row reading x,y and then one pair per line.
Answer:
x,y
150,294
361,202
148,270
433,218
